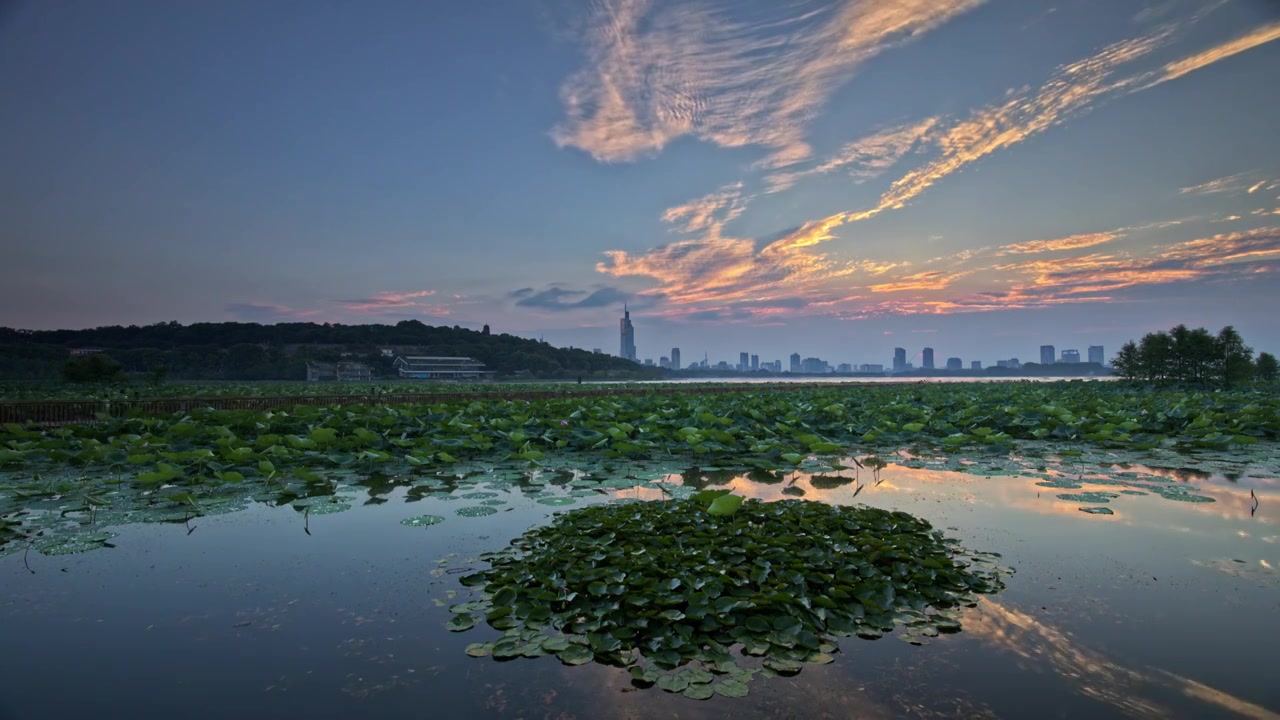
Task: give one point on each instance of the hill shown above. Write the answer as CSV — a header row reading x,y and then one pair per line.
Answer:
x,y
251,351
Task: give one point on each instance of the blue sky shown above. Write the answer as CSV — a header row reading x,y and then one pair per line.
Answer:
x,y
829,178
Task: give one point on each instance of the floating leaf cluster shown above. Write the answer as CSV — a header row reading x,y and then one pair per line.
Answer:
x,y
699,595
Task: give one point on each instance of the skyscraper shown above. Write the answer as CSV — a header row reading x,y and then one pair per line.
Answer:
x,y
1070,356
675,358
628,336
755,363
975,365
1096,355
926,359
1047,355
899,359
795,362
744,361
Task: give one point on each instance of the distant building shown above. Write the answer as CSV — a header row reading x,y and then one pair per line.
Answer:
x,y
1015,363
815,366
339,372
628,333
926,359
755,363
597,351
722,365
955,364
744,361
648,362
899,359
1002,363
664,362
1096,355
1070,356
795,362
975,365
1046,355
675,358
431,367
844,368
867,368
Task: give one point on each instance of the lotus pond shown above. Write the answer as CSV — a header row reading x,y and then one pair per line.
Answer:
x,y
673,557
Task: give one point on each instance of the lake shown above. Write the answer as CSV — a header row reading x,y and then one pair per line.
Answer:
x,y
1162,609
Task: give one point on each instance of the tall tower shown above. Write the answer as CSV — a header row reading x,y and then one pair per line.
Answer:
x,y
927,360
899,359
675,358
628,336
1047,355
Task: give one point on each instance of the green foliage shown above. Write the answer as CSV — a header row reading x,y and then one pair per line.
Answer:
x,y
95,368
1266,368
669,587
1187,356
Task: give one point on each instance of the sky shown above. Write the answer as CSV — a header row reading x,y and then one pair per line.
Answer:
x,y
834,178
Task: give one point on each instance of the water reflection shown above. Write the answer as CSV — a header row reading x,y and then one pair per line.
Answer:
x,y
1151,612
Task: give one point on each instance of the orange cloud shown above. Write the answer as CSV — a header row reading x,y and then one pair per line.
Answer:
x,y
933,280
657,73
1071,242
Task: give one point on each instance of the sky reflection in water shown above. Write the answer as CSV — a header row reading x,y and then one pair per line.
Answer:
x,y
1154,611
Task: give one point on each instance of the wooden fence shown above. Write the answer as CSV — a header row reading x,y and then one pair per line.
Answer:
x,y
62,412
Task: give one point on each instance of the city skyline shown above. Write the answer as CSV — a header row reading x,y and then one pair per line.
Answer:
x,y
799,363
845,176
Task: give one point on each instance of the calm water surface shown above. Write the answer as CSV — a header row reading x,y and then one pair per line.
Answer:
x,y
1163,610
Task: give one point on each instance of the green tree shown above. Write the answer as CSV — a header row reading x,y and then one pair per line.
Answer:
x,y
96,368
1234,359
1265,368
1128,363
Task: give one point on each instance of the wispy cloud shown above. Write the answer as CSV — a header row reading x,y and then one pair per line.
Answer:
x,y
930,280
1230,183
399,302
1071,242
266,312
558,299
1248,41
659,71
864,158
709,213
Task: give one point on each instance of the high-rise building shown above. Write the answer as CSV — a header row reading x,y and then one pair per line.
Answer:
x,y
1096,355
1070,356
926,359
868,368
755,363
975,365
744,361
1015,363
664,361
795,362
648,362
1046,354
955,364
628,333
899,359
675,358
844,368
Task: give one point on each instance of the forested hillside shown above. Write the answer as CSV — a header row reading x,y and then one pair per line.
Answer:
x,y
250,351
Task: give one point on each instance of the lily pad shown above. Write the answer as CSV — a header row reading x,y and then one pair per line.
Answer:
x,y
422,520
556,501
476,511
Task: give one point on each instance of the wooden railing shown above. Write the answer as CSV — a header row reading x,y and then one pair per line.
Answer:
x,y
61,412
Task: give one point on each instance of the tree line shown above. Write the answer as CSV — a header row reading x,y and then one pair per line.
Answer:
x,y
251,351
1195,357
